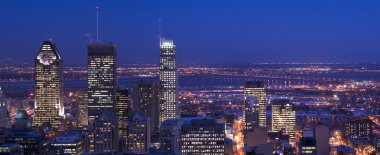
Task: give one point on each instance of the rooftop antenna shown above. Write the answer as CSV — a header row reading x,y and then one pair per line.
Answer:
x,y
159,31
97,22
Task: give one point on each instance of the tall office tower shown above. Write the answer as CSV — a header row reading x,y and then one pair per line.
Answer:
x,y
145,99
202,136
49,93
359,128
105,136
168,106
4,119
251,113
138,141
123,108
101,79
83,109
284,117
256,89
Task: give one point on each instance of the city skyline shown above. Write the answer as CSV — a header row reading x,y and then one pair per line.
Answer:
x,y
249,31
234,107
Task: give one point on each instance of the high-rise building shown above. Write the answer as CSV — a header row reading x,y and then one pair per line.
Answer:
x,y
284,117
202,136
48,86
145,100
168,106
256,89
4,115
83,109
138,131
123,108
105,135
101,79
251,113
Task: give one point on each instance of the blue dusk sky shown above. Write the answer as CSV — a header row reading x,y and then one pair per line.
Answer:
x,y
204,31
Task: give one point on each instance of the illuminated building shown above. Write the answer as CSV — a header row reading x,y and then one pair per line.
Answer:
x,y
284,117
145,99
251,113
48,86
169,136
307,146
168,108
256,89
101,79
105,135
123,108
138,141
360,128
83,109
11,149
202,136
71,143
4,116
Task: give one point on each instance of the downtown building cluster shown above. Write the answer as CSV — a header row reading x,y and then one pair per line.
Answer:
x,y
146,118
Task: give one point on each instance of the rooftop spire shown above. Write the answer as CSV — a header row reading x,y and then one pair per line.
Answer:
x,y
97,22
159,30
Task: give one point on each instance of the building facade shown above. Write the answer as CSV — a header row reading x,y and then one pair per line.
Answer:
x,y
168,106
83,109
145,99
256,90
202,136
101,79
359,128
105,135
123,108
138,140
71,143
48,65
284,118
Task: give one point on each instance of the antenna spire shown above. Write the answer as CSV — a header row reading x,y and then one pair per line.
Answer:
x,y
159,31
97,22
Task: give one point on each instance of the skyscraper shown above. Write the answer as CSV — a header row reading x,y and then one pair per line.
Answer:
x,y
123,108
284,117
48,86
83,109
145,99
4,119
168,80
256,89
101,79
